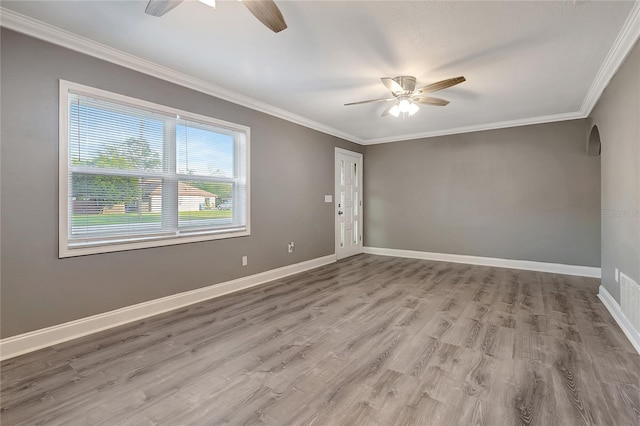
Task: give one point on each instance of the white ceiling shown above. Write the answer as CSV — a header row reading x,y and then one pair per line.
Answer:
x,y
524,61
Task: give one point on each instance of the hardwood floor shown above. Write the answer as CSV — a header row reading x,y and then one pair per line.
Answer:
x,y
368,340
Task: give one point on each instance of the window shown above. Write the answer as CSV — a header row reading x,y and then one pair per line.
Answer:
x,y
134,174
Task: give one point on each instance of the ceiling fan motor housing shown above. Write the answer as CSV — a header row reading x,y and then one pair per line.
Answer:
x,y
407,82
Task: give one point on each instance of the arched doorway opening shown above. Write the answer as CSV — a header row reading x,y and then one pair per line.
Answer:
x,y
593,144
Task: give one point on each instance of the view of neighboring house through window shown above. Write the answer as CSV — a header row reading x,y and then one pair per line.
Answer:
x,y
135,174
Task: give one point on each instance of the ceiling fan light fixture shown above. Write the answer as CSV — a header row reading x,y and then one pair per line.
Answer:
x,y
210,3
404,105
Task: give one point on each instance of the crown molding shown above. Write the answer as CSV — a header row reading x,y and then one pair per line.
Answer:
x,y
623,44
43,31
627,38
481,127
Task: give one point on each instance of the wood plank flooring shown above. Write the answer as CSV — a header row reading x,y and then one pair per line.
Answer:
x,y
369,340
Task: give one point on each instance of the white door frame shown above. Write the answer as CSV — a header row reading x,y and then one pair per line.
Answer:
x,y
336,193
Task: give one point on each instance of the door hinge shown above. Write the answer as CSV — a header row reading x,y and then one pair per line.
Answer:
x,y
360,237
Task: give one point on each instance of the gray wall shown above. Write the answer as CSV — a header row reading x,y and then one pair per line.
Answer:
x,y
527,193
291,170
617,115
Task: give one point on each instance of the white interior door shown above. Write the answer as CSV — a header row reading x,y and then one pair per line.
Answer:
x,y
348,203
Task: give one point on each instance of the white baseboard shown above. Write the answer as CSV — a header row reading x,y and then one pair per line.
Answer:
x,y
614,309
38,339
556,268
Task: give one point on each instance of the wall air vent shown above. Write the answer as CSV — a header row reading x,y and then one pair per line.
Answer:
x,y
630,300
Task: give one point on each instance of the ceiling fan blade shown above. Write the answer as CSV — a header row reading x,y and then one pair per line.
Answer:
x,y
370,100
392,85
430,101
433,87
268,13
160,7
387,110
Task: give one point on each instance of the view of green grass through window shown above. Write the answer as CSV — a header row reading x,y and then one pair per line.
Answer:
x,y
136,172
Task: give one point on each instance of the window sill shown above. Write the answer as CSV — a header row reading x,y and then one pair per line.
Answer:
x,y
75,248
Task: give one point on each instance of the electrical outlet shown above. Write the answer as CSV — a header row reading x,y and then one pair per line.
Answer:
x,y
290,247
244,261
617,274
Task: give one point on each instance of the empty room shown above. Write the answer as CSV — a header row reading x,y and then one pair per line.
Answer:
x,y
292,212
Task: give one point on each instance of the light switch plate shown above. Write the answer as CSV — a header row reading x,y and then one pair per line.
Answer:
x,y
328,198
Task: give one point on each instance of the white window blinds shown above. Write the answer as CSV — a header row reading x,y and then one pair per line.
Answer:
x,y
136,174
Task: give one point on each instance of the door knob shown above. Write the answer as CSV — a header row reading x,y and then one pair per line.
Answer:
x,y
339,213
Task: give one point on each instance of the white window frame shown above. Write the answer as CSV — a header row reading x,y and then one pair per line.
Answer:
x,y
70,248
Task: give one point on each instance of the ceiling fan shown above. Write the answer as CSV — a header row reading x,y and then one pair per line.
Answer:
x,y
265,10
406,97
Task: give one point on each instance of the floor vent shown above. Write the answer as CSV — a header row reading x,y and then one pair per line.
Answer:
x,y
630,300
